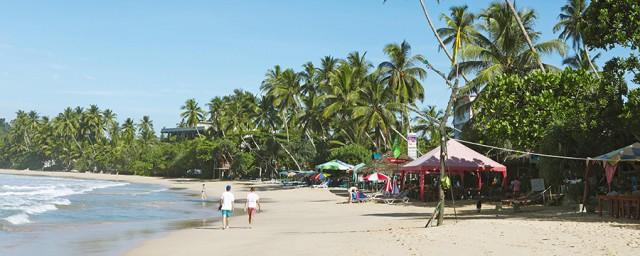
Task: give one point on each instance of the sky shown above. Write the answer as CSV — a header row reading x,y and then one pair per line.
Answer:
x,y
147,57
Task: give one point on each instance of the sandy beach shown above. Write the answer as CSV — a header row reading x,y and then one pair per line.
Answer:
x,y
320,222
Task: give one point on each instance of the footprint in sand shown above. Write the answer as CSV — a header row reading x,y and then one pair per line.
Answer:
x,y
632,244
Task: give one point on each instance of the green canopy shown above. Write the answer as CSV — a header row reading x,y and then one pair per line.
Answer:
x,y
335,165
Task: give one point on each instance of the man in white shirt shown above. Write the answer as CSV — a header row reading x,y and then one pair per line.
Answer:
x,y
226,205
253,201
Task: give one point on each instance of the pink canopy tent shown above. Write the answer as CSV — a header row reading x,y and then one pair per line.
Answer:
x,y
460,159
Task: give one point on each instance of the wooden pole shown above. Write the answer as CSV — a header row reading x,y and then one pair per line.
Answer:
x,y
585,193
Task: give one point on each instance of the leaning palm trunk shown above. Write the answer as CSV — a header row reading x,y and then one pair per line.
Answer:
x,y
443,122
526,35
289,153
593,68
435,33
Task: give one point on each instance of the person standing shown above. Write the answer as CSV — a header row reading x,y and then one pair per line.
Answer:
x,y
252,204
226,206
203,193
515,187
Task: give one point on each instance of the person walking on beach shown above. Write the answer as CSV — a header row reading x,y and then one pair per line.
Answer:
x,y
253,201
226,206
203,193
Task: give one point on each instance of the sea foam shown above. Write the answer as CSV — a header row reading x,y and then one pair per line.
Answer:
x,y
22,197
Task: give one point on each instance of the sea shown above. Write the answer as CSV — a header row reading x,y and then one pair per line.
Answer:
x,y
62,216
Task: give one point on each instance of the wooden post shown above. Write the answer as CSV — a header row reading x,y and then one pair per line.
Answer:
x,y
585,195
422,186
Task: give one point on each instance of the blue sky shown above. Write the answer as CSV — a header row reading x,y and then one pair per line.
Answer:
x,y
147,57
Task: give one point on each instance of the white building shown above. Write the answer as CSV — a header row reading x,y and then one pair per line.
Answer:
x,y
462,113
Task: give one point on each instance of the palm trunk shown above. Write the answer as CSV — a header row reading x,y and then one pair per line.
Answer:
x,y
435,33
593,68
443,149
289,153
526,35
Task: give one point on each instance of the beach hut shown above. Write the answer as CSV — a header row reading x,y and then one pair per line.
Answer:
x,y
610,162
460,159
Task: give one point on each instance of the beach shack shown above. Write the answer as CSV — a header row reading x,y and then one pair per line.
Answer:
x,y
621,203
460,159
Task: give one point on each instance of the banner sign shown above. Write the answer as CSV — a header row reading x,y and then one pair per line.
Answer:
x,y
412,145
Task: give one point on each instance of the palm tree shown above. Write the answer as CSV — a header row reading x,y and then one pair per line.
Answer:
x,y
328,65
93,122
426,124
402,74
525,34
147,134
128,131
191,114
502,48
581,61
459,30
571,20
110,122
217,115
309,77
375,111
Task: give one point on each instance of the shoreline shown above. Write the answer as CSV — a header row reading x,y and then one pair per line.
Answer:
x,y
319,222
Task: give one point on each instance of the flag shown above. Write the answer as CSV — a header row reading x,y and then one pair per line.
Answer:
x,y
396,148
456,46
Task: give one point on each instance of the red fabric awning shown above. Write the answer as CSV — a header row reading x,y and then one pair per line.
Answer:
x,y
460,159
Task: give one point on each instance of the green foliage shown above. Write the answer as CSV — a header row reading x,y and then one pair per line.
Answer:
x,y
352,154
608,23
569,113
243,163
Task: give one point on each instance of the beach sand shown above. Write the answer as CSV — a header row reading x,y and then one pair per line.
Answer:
x,y
319,222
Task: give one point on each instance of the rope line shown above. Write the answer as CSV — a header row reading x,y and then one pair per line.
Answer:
x,y
544,155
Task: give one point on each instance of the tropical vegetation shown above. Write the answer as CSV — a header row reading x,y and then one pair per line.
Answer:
x,y
349,107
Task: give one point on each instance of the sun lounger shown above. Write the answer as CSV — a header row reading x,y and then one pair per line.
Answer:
x,y
529,199
323,185
402,197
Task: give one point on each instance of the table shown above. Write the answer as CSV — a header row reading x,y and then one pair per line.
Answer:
x,y
621,206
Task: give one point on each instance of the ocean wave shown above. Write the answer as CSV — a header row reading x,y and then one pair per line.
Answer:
x,y
150,192
36,199
18,219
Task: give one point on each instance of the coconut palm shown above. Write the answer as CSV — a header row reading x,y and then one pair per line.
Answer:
x,y
309,77
93,122
459,29
581,60
145,128
570,25
110,122
328,65
402,74
502,49
426,124
191,114
216,114
128,131
375,111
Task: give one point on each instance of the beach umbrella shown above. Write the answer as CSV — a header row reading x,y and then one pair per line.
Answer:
x,y
356,169
334,165
321,176
388,188
376,176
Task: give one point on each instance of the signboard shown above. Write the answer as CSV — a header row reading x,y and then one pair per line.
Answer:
x,y
537,185
412,145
